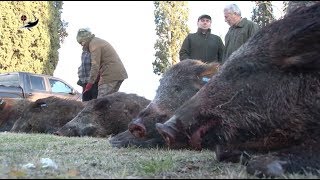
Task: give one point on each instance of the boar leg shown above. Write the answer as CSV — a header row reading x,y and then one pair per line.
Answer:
x,y
297,159
226,154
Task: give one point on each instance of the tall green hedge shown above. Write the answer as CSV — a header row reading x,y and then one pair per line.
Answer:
x,y
35,49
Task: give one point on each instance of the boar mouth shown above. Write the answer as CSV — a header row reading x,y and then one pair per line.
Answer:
x,y
140,129
171,135
89,130
196,137
177,138
67,131
126,139
57,133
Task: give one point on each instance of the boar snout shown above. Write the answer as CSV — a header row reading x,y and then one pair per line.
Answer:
x,y
137,128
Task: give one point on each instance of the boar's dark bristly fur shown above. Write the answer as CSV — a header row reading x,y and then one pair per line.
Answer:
x,y
265,97
178,84
10,110
105,116
46,115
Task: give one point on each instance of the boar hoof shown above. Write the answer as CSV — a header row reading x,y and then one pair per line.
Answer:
x,y
266,167
137,129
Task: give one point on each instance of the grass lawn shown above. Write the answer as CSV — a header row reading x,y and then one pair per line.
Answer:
x,y
22,156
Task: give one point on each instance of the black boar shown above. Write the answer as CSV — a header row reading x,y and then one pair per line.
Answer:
x,y
46,115
105,116
10,110
178,84
268,89
292,5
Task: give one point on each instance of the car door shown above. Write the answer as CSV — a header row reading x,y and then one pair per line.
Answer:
x,y
62,89
37,87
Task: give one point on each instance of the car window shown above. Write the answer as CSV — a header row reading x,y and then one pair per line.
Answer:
x,y
9,80
37,83
59,86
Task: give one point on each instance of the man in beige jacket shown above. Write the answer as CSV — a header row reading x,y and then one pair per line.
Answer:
x,y
105,64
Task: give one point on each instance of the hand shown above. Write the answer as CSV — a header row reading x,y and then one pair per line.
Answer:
x,y
88,87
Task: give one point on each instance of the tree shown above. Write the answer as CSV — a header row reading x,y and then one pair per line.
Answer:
x,y
34,49
285,6
171,18
57,29
263,13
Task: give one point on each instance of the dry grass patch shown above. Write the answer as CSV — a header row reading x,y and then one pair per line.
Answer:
x,y
87,157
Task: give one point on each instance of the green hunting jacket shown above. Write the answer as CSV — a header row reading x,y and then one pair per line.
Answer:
x,y
238,35
205,47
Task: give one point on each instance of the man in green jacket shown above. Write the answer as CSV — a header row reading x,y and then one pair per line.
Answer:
x,y
106,65
241,29
202,45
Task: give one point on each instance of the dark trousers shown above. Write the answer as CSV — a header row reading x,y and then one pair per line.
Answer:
x,y
91,94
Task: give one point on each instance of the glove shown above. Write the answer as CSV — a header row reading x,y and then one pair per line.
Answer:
x,y
88,87
79,83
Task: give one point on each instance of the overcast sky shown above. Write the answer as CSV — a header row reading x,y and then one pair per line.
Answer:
x,y
129,27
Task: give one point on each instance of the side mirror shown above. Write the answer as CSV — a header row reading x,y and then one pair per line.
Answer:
x,y
73,92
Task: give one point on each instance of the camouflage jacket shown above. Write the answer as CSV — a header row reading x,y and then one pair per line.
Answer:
x,y
205,47
105,62
238,35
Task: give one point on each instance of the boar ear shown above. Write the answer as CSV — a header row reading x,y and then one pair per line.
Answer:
x,y
306,61
210,70
102,103
299,48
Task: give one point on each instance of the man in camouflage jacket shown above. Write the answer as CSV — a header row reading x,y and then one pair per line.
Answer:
x,y
105,63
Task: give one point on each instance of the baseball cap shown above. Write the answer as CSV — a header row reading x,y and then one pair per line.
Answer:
x,y
204,16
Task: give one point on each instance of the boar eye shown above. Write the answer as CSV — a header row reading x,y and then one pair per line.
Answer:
x,y
101,104
241,70
177,89
145,112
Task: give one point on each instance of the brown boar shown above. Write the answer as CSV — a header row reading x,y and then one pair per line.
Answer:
x,y
267,89
46,115
178,84
105,116
10,110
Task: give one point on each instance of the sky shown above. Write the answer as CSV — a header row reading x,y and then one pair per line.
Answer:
x,y
129,27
